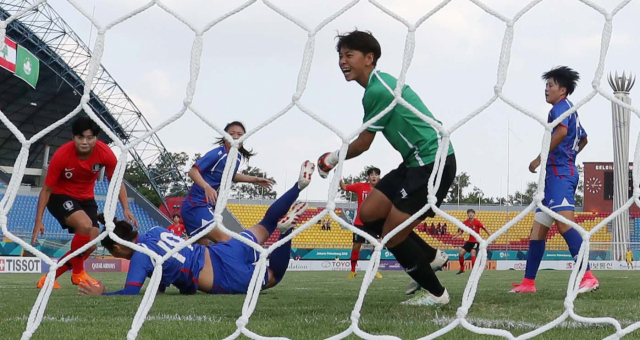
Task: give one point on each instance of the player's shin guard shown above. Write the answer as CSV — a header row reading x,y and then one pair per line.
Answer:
x,y
428,250
279,208
534,257
473,261
461,261
355,255
279,259
416,264
574,241
77,263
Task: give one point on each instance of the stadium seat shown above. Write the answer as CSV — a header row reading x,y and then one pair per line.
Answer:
x,y
516,238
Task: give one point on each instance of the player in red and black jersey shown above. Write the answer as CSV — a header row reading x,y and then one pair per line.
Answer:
x,y
362,190
68,193
177,228
471,246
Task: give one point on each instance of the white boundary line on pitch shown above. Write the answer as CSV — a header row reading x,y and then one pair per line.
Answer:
x,y
438,320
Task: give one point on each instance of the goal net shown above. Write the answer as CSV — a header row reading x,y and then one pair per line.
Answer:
x,y
445,132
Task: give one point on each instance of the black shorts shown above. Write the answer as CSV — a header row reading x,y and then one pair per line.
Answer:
x,y
407,188
359,239
469,246
62,206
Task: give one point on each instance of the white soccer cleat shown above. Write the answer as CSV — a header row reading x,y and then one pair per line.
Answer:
x,y
306,171
290,220
412,288
440,261
424,298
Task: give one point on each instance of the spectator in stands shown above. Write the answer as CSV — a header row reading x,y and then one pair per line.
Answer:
x,y
68,194
432,229
444,229
178,228
197,210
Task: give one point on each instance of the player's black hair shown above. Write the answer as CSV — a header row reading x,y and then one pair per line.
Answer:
x,y
82,124
564,76
174,216
471,210
244,152
360,41
372,170
123,229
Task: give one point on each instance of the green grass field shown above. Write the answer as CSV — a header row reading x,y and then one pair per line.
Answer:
x,y
316,305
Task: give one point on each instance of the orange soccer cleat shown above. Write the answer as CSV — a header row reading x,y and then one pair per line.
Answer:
x,y
56,285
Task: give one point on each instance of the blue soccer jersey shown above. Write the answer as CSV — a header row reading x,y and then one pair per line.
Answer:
x,y
180,270
210,167
562,159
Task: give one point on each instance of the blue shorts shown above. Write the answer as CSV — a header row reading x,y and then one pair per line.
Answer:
x,y
233,265
559,193
196,218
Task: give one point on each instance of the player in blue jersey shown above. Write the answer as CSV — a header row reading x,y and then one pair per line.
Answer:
x,y
206,173
567,140
222,268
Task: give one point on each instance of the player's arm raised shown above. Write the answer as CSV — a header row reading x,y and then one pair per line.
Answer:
x,y
263,182
327,161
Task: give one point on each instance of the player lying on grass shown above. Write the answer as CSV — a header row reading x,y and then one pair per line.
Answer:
x,y
206,173
567,140
223,268
403,191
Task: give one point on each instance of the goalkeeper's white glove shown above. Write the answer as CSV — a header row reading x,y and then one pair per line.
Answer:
x,y
326,162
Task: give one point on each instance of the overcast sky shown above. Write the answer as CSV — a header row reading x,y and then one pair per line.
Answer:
x,y
251,61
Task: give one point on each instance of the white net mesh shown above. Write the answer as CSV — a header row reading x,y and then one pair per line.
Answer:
x,y
251,300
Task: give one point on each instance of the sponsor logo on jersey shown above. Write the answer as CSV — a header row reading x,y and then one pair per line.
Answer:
x,y
68,205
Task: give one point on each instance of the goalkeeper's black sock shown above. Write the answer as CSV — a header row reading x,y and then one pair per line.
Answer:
x,y
415,263
428,250
375,226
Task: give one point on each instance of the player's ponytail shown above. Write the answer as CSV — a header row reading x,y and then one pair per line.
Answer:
x,y
244,152
123,229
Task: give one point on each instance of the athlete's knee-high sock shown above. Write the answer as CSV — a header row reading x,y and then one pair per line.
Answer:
x,y
428,250
377,225
279,208
355,255
279,259
415,263
65,267
534,256
461,261
574,241
473,260
77,263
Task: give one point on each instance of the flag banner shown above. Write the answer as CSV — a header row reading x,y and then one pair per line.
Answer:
x,y
27,66
8,55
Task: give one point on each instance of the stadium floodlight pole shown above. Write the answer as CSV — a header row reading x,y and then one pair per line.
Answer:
x,y
620,123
